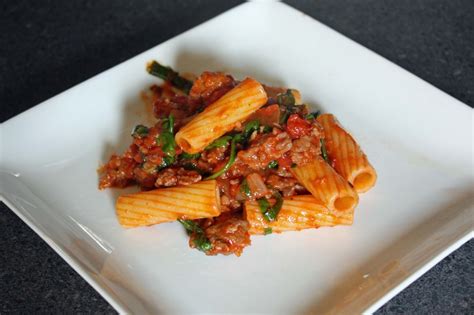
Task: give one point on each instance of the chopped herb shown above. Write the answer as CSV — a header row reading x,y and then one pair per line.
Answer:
x,y
166,140
284,116
245,189
168,124
188,164
273,164
273,212
267,231
238,138
263,204
286,99
249,128
288,106
233,153
293,165
189,156
191,226
220,142
269,212
194,167
200,241
168,74
140,131
312,116
288,110
167,161
267,129
167,143
324,152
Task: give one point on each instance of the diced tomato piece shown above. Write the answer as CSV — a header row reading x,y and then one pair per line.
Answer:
x,y
297,126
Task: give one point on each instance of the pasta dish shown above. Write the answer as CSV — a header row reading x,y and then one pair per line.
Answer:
x,y
229,159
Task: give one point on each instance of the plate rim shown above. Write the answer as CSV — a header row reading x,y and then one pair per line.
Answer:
x,y
420,271
71,261
102,289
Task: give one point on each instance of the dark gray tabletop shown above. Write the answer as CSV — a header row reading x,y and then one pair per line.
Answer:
x,y
49,46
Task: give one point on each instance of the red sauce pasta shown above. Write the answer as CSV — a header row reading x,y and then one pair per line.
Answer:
x,y
229,159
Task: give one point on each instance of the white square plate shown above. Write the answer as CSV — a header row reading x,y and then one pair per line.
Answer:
x,y
418,138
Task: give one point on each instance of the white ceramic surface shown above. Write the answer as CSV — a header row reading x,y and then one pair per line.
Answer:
x,y
418,138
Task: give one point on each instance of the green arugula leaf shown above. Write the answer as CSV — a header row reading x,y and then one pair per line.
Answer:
x,y
140,131
233,153
166,140
242,137
312,116
167,161
191,226
288,105
267,230
269,212
249,128
168,74
263,204
273,165
286,99
200,241
167,143
267,129
193,167
324,152
220,142
189,156
245,189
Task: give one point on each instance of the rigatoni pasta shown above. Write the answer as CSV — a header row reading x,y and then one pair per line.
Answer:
x,y
346,156
297,213
222,116
326,185
199,200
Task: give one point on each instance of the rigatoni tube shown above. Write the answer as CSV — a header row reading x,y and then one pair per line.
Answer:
x,y
221,116
297,213
346,156
199,200
326,185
